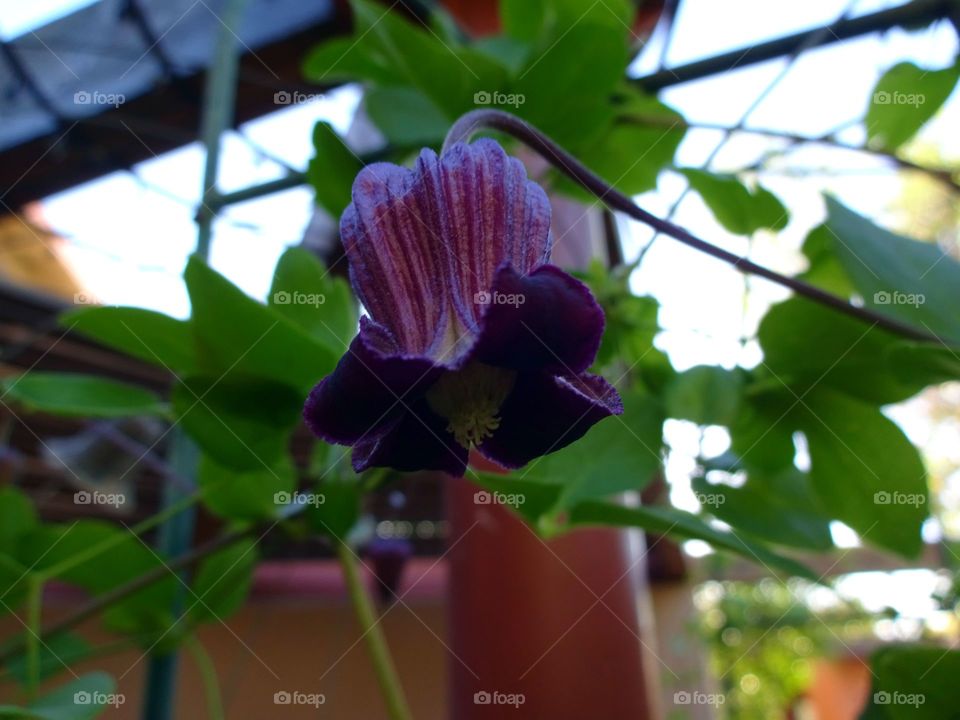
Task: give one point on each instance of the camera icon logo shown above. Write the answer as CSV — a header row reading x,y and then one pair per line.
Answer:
x,y
482,698
482,497
881,97
482,97
281,297
82,697
282,698
82,497
282,97
881,297
282,498
82,97
482,298
881,698
682,697
882,497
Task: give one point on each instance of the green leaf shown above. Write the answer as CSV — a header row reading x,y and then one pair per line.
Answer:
x,y
306,293
446,74
904,98
243,424
406,116
577,112
335,508
631,320
223,582
17,517
740,210
57,654
705,395
641,142
332,169
914,683
247,495
81,699
78,395
805,344
779,508
508,52
935,364
864,470
530,499
621,453
825,269
903,278
682,526
546,19
127,559
759,436
13,582
349,59
238,336
145,334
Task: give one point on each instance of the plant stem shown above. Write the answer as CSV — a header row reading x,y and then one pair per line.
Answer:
x,y
208,674
566,163
380,654
110,543
114,595
34,615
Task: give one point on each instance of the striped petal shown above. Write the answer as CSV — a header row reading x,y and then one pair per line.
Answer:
x,y
425,244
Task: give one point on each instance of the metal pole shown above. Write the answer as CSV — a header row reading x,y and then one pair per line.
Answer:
x,y
915,13
218,109
176,535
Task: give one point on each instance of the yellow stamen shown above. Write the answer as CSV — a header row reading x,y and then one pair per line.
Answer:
x,y
470,400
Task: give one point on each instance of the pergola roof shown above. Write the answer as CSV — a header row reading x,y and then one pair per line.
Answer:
x,y
116,82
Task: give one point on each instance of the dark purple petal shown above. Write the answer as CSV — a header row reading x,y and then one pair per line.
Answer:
x,y
367,390
545,413
493,215
423,243
417,440
547,320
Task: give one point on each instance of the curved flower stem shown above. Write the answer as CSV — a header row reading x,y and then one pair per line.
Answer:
x,y
397,708
34,612
208,674
566,163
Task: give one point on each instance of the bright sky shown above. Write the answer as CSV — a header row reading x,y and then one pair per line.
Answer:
x,y
130,234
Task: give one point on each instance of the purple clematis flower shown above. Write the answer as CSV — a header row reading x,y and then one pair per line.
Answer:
x,y
473,340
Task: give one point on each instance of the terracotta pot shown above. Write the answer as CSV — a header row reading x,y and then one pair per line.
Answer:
x,y
547,628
